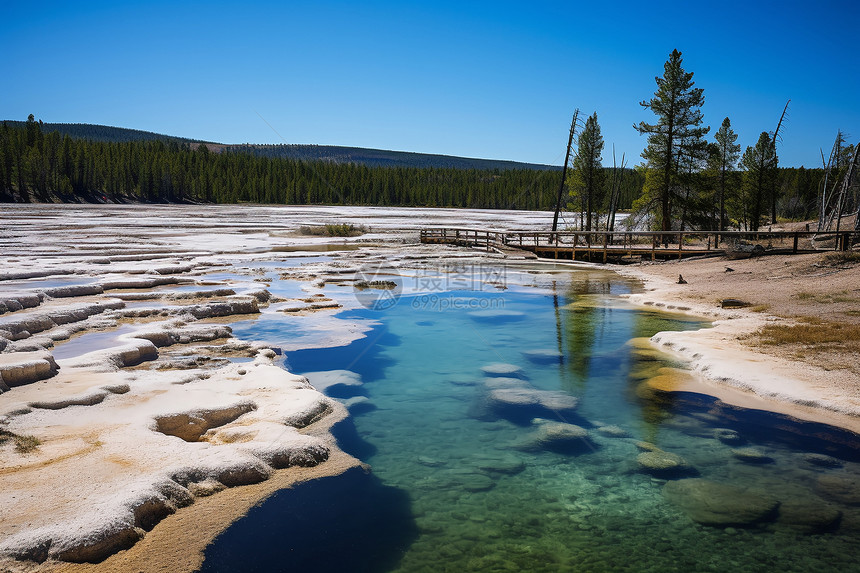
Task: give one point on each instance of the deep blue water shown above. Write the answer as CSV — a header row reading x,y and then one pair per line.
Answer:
x,y
460,486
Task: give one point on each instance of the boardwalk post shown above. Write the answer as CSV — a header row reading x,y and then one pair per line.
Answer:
x,y
794,248
605,246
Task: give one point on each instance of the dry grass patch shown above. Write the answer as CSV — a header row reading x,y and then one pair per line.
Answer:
x,y
339,230
810,332
24,444
826,298
841,258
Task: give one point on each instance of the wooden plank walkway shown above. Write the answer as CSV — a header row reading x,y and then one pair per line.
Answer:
x,y
622,246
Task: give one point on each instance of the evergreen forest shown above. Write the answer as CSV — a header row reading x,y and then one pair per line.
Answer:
x,y
702,185
43,166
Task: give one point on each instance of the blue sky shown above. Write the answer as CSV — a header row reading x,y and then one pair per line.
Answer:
x,y
494,80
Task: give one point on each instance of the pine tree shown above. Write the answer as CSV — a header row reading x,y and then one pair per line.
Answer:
x,y
758,164
678,134
728,153
587,182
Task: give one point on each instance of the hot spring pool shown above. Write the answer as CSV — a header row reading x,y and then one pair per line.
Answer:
x,y
467,479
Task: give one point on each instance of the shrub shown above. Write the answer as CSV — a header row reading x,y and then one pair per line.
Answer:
x,y
333,230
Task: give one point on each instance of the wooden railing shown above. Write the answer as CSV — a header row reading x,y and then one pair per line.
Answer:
x,y
603,245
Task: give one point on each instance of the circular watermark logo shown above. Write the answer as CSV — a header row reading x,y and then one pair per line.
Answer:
x,y
378,287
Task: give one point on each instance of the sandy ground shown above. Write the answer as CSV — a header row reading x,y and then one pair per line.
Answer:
x,y
167,378
803,298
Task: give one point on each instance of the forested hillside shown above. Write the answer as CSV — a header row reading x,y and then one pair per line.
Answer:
x,y
40,166
379,157
103,133
332,153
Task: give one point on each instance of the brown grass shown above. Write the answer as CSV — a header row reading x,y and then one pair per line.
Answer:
x,y
841,258
24,444
338,230
826,298
810,332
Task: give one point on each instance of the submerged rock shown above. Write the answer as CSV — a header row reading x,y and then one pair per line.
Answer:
x,y
613,431
557,437
822,461
525,402
843,488
495,382
712,503
752,456
513,397
502,369
727,436
646,446
809,514
663,464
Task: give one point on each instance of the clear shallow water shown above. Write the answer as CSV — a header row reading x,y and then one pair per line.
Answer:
x,y
477,501
90,342
22,285
290,262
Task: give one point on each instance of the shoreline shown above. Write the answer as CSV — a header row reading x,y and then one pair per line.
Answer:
x,y
726,364
177,544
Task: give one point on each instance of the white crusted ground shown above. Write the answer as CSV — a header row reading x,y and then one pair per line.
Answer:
x,y
148,414
122,450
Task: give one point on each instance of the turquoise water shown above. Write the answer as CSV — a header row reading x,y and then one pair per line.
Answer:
x,y
472,486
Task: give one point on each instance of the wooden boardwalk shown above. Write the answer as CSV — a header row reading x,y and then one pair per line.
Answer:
x,y
622,246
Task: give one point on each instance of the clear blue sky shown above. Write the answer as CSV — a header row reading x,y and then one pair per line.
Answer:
x,y
494,79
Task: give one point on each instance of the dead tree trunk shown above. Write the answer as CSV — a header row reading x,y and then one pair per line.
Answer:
x,y
775,175
564,171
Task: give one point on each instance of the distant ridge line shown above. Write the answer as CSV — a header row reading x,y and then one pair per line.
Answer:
x,y
304,152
